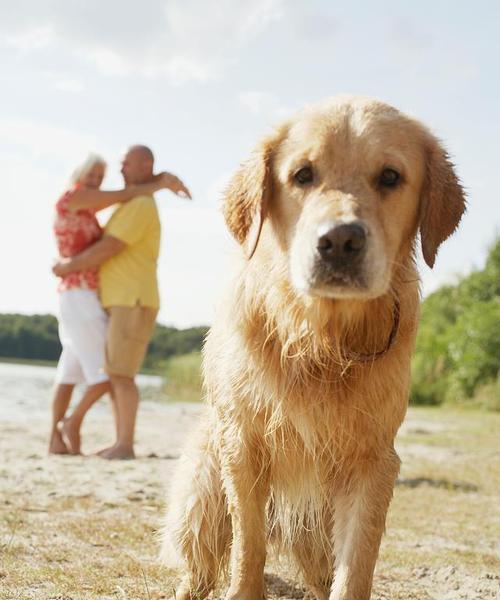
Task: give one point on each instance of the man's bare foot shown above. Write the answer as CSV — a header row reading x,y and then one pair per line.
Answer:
x,y
56,444
71,436
104,450
118,452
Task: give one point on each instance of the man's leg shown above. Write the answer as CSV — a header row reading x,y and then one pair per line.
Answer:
x,y
126,396
114,410
71,425
128,334
60,403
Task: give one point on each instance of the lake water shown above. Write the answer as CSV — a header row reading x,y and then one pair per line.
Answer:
x,y
26,390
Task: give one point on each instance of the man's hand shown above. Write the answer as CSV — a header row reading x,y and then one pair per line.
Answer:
x,y
62,267
174,184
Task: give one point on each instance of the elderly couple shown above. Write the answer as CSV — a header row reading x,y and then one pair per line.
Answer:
x,y
108,294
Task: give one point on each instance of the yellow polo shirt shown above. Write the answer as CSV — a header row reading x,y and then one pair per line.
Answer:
x,y
129,278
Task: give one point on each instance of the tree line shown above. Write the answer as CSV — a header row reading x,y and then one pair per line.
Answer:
x,y
35,337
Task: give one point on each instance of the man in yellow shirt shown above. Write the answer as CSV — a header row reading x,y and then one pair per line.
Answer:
x,y
127,256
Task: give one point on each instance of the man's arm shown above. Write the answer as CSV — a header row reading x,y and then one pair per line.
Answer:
x,y
92,257
98,199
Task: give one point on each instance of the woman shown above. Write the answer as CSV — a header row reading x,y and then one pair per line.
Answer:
x,y
82,321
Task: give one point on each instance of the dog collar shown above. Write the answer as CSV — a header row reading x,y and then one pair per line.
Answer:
x,y
354,357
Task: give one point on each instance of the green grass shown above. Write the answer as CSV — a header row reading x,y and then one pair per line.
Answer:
x,y
183,378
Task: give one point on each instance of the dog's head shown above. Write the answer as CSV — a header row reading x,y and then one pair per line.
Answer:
x,y
341,191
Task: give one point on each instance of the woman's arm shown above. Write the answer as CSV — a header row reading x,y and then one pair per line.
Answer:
x,y
97,199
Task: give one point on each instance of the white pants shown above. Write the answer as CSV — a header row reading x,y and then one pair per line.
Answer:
x,y
82,331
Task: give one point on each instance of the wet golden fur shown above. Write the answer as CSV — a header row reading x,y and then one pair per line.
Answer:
x,y
296,448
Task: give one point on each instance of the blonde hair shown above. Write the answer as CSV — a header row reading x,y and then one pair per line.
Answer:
x,y
80,171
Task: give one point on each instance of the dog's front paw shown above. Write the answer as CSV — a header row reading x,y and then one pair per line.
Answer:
x,y
186,592
244,593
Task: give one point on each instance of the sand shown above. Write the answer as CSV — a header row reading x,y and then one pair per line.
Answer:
x,y
82,527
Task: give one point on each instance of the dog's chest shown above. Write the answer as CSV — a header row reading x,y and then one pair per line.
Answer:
x,y
307,445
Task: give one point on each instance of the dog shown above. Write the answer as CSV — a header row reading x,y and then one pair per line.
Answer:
x,y
307,366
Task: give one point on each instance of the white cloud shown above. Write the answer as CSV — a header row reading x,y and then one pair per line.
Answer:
x,y
257,102
404,36
266,105
425,56
106,60
42,139
313,26
72,86
29,39
183,40
182,69
257,17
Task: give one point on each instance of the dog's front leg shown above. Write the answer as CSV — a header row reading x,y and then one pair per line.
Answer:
x,y
247,489
360,510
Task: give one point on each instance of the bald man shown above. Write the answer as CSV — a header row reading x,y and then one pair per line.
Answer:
x,y
127,255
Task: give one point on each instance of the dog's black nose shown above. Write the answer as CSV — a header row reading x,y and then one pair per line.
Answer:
x,y
342,243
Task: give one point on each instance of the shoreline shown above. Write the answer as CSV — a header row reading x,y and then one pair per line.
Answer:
x,y
38,362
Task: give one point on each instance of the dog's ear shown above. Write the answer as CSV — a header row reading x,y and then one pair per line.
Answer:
x,y
442,201
248,194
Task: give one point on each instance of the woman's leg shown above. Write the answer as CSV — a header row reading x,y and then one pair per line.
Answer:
x,y
60,403
69,373
71,425
86,324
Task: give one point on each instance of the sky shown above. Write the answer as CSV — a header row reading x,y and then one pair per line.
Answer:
x,y
200,81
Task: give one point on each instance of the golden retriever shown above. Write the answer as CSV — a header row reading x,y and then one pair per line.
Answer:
x,y
307,367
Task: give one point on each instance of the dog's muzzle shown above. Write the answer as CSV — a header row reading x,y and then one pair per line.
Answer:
x,y
340,251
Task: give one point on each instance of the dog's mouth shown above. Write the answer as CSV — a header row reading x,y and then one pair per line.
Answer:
x,y
337,285
343,280
341,277
321,279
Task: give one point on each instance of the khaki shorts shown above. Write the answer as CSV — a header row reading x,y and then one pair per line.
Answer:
x,y
129,330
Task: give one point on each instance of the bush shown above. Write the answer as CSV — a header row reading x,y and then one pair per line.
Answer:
x,y
488,396
458,345
169,341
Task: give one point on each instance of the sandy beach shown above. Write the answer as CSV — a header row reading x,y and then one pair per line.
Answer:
x,y
82,528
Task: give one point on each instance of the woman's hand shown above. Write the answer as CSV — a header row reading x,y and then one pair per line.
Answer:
x,y
62,267
170,182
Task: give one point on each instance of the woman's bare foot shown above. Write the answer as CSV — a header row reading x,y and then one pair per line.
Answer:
x,y
71,436
117,452
56,444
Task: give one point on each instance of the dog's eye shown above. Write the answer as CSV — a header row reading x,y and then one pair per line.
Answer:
x,y
304,176
389,178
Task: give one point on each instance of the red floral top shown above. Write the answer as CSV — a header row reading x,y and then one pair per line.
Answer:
x,y
75,231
